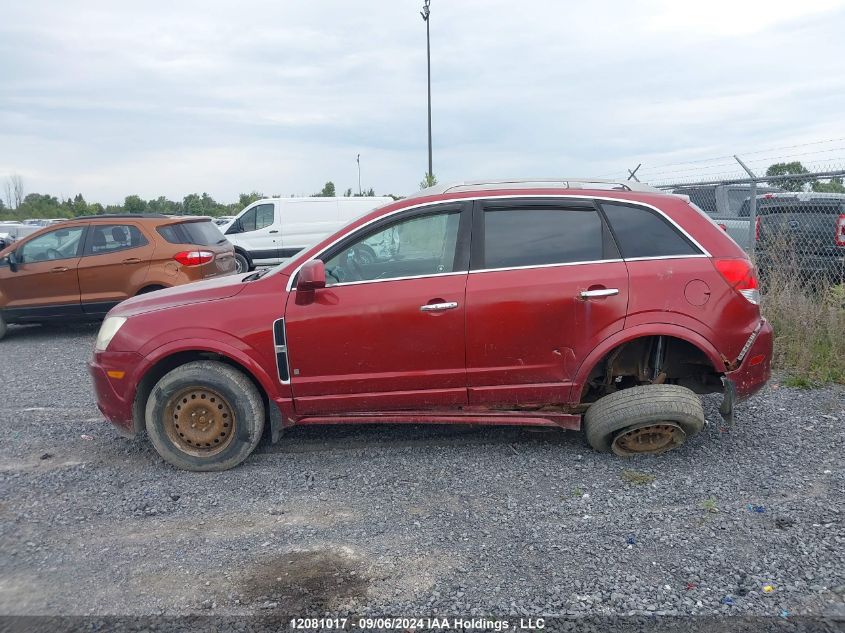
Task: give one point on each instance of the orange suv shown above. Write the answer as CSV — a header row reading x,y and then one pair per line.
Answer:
x,y
81,268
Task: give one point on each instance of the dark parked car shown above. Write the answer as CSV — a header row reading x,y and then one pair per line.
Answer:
x,y
803,233
728,206
555,303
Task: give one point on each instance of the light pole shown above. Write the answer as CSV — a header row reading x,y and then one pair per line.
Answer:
x,y
426,13
360,193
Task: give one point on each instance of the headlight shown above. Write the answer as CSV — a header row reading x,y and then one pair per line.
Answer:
x,y
107,331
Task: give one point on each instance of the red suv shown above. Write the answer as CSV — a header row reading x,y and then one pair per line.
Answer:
x,y
554,303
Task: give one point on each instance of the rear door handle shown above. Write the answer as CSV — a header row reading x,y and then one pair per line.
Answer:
x,y
273,231
599,292
439,307
132,260
59,269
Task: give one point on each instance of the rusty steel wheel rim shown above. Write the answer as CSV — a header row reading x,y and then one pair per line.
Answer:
x,y
648,438
199,421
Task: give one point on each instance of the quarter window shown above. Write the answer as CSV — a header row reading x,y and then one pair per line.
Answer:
x,y
58,244
109,238
642,232
423,245
516,237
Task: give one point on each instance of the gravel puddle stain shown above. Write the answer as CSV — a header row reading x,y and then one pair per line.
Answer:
x,y
305,582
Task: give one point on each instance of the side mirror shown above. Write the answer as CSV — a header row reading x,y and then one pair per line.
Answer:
x,y
13,262
312,276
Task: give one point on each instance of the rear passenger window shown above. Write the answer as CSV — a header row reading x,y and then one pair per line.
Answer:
x,y
540,236
108,238
642,232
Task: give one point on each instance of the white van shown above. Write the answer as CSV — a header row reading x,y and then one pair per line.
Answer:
x,y
272,230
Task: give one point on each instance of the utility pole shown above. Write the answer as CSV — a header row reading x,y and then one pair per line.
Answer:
x,y
426,13
360,193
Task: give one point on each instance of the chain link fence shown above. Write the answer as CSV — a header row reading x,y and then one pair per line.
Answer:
x,y
790,224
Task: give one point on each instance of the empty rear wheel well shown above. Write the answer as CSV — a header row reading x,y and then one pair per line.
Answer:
x,y
652,360
150,288
168,364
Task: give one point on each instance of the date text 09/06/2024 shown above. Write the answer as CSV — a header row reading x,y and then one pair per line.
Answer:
x,y
424,623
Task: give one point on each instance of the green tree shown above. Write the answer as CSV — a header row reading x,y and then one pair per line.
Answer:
x,y
327,192
246,199
164,206
429,180
788,169
834,185
348,193
134,204
192,204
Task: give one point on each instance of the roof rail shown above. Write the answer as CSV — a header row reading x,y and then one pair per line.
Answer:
x,y
535,183
121,216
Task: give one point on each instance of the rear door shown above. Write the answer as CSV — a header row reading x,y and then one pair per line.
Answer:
x,y
46,284
114,265
546,284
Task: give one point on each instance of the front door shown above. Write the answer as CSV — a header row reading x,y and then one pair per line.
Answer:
x,y
46,284
546,285
258,231
387,332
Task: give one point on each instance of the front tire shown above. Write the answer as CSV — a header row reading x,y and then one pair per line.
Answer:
x,y
205,416
648,419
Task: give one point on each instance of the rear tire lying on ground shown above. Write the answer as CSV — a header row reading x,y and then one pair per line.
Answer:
x,y
648,419
2,327
204,416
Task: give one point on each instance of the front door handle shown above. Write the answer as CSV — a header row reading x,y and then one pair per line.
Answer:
x,y
59,269
599,292
439,307
132,260
273,231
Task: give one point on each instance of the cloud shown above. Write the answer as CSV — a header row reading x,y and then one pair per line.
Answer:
x,y
169,98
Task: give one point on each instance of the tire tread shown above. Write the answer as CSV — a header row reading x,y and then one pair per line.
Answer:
x,y
622,409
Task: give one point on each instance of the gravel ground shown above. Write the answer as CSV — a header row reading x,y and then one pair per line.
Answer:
x,y
413,520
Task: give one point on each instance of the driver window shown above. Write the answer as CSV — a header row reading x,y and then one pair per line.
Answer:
x,y
256,218
424,245
58,244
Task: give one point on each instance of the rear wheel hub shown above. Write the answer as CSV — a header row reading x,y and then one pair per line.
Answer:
x,y
651,437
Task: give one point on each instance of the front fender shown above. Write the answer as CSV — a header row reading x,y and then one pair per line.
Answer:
x,y
639,331
249,358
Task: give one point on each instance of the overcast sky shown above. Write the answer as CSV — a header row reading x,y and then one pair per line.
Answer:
x,y
113,98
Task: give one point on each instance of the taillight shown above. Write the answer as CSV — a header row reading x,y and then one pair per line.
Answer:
x,y
724,227
741,276
840,230
194,258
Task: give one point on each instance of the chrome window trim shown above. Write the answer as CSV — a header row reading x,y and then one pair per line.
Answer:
x,y
659,257
376,281
560,264
703,253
